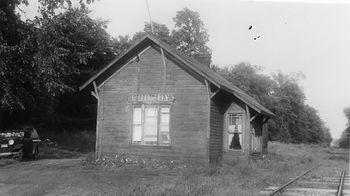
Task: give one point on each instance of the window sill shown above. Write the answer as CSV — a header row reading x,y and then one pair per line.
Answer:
x,y
234,151
149,146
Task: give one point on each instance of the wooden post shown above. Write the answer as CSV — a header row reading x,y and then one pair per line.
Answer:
x,y
213,94
265,136
95,93
252,118
164,66
208,123
247,131
138,75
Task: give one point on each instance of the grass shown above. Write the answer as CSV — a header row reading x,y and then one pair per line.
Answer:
x,y
283,162
57,153
78,177
4,162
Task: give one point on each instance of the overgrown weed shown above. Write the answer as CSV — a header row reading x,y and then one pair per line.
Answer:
x,y
283,162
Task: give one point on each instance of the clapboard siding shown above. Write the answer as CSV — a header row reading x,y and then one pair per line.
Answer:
x,y
188,115
216,133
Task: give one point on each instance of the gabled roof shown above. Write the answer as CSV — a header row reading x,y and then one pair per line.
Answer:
x,y
191,63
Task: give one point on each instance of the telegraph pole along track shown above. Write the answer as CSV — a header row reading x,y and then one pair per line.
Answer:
x,y
330,177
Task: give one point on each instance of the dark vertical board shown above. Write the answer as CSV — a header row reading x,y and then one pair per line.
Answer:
x,y
265,135
216,133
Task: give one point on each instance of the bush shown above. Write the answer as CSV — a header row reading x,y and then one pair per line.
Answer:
x,y
81,141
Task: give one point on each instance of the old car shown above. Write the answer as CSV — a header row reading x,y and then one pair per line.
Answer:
x,y
19,143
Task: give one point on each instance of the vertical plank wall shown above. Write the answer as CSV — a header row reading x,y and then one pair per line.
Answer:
x,y
216,133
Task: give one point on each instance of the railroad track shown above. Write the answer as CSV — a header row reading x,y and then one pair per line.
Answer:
x,y
315,182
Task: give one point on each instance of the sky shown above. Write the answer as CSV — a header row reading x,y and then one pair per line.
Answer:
x,y
308,36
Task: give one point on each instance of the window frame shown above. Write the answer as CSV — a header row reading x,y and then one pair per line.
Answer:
x,y
133,124
143,116
227,133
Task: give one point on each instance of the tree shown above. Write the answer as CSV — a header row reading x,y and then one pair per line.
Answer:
x,y
71,47
347,114
250,79
16,52
190,36
289,102
344,141
161,31
294,121
33,58
70,43
48,58
120,44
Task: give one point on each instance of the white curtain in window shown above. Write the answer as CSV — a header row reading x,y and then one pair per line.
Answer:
x,y
151,125
137,125
164,138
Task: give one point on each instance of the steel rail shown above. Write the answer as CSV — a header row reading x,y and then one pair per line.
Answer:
x,y
281,188
341,182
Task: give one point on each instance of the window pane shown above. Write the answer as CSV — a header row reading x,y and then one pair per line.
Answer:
x,y
164,118
151,111
137,116
235,119
164,128
151,119
150,126
238,120
164,138
235,131
150,137
165,109
151,129
137,134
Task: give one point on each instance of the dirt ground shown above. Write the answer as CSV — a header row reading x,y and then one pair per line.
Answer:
x,y
66,177
61,172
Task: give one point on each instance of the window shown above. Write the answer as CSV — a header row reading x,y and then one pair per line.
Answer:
x,y
234,131
137,126
151,125
164,126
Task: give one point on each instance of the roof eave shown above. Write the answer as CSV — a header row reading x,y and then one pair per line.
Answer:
x,y
260,111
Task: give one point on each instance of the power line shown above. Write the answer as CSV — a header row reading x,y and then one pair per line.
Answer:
x,y
150,19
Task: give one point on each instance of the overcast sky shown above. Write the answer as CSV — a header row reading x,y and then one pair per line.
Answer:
x,y
306,36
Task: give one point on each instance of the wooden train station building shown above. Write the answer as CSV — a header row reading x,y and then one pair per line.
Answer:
x,y
155,102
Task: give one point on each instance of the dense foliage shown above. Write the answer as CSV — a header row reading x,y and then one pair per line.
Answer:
x,y
16,70
189,35
294,121
44,60
344,141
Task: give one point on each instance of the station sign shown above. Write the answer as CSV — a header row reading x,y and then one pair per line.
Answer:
x,y
151,98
